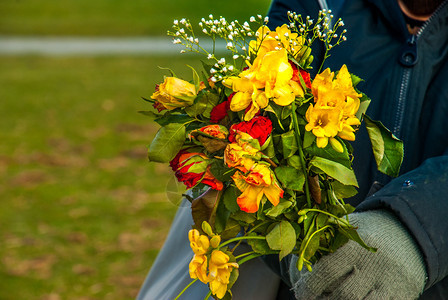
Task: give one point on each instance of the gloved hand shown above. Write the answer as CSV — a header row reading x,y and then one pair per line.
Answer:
x,y
395,271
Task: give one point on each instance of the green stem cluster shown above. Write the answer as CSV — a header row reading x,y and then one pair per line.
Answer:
x,y
300,151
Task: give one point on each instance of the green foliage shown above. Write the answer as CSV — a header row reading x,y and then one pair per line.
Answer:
x,y
167,142
290,177
282,237
387,149
335,170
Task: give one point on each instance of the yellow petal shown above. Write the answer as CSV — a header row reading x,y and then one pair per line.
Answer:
x,y
322,142
249,200
240,101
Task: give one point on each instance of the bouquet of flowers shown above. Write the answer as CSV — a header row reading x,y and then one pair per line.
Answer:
x,y
262,147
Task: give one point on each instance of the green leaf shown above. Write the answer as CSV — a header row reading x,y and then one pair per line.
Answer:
x,y
340,210
289,144
221,171
244,217
173,118
210,100
167,143
313,245
294,161
260,246
229,198
352,234
290,177
232,229
335,170
355,79
282,237
330,154
387,149
343,191
308,139
222,215
365,102
277,210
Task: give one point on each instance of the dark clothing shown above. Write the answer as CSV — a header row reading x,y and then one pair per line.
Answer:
x,y
406,77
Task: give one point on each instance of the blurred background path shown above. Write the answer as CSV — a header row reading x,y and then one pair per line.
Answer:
x,y
60,46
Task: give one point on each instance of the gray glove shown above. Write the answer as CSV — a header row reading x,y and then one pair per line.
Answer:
x,y
395,271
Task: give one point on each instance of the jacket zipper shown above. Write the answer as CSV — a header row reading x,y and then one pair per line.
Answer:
x,y
408,61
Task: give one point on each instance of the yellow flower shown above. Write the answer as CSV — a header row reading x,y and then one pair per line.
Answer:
x,y
219,275
258,182
323,122
198,243
198,268
334,112
175,92
271,72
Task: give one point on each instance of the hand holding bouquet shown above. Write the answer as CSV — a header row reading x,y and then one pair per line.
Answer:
x,y
263,147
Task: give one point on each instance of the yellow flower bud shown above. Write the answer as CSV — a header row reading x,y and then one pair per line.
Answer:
x,y
215,241
175,92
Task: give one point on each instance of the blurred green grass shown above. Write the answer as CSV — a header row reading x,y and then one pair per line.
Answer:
x,y
83,213
114,17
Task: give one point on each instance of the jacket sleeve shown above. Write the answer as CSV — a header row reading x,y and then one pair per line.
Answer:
x,y
420,200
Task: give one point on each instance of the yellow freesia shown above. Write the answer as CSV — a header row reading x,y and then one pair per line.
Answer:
x,y
198,268
199,243
336,105
271,72
219,275
259,182
323,122
175,92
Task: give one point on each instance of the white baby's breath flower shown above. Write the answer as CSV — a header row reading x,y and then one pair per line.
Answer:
x,y
266,19
213,79
204,31
235,56
182,30
259,17
182,51
176,22
209,56
212,71
243,48
210,16
222,61
230,68
252,19
196,40
229,45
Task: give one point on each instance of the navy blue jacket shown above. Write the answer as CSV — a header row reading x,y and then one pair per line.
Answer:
x,y
406,77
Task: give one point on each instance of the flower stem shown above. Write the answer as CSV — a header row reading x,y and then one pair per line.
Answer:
x,y
242,238
300,150
183,291
331,215
249,257
208,295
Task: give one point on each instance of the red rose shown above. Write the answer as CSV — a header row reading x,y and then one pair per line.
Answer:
x,y
259,128
296,76
219,112
192,168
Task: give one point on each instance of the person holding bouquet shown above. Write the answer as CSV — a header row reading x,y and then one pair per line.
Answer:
x,y
400,49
